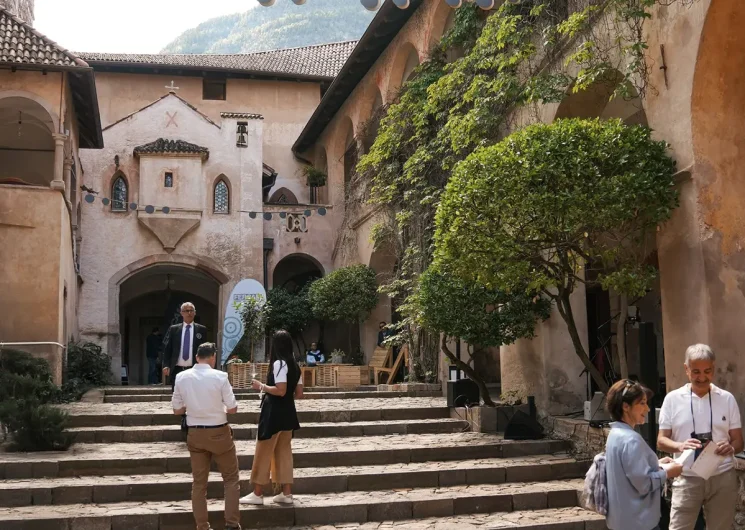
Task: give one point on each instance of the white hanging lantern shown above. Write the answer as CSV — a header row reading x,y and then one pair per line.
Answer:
x,y
267,3
486,5
299,2
401,4
454,3
371,5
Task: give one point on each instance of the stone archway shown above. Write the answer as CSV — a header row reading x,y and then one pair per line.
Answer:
x,y
26,141
143,294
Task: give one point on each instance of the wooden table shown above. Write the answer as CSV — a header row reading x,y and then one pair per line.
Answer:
x,y
308,373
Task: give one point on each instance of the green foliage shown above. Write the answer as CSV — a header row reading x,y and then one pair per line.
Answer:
x,y
288,311
468,310
26,389
87,367
315,177
532,211
285,25
348,294
253,311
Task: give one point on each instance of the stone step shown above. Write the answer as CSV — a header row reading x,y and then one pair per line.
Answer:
x,y
319,509
173,457
309,411
247,396
556,519
172,433
177,486
166,389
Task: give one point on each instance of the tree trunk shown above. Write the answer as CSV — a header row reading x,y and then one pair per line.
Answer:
x,y
565,310
470,372
621,336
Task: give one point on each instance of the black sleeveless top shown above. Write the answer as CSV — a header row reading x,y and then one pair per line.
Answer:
x,y
279,413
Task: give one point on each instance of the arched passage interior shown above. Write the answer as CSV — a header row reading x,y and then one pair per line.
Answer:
x,y
26,143
152,298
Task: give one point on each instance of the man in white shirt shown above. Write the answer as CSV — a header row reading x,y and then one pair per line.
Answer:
x,y
207,396
693,416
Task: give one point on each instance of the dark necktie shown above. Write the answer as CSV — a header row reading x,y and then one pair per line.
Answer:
x,y
187,343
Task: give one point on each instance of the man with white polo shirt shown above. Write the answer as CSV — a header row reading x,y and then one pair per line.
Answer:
x,y
692,416
205,395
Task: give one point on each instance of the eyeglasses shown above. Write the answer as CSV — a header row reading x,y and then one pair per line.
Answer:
x,y
187,311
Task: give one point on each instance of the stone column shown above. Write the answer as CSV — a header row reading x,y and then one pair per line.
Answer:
x,y
67,175
58,182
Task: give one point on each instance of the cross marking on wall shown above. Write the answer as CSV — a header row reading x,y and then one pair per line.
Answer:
x,y
172,88
171,119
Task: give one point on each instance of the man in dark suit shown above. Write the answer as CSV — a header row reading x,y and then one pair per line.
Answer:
x,y
179,352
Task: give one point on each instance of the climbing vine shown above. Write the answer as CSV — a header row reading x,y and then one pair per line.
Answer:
x,y
488,76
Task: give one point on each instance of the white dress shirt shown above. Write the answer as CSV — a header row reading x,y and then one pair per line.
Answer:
x,y
190,361
206,393
721,417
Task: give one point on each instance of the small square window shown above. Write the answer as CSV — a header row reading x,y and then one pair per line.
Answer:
x,y
215,89
168,180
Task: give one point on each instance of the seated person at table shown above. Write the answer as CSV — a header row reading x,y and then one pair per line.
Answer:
x,y
314,355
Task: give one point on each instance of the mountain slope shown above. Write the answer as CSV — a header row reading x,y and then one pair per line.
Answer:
x,y
284,25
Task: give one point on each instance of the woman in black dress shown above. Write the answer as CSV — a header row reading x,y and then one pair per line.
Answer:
x,y
277,421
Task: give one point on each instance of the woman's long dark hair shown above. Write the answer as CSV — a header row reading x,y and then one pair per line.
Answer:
x,y
282,351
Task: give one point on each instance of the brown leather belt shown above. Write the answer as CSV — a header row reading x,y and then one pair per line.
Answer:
x,y
207,426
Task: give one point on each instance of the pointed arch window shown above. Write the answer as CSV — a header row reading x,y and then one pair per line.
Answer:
x,y
119,195
222,197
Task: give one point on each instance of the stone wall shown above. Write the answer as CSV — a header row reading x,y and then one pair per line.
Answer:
x,y
23,9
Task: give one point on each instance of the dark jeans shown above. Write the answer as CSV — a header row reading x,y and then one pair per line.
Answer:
x,y
152,372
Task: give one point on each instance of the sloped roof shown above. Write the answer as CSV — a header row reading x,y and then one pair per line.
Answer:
x,y
22,44
388,21
321,61
176,147
24,48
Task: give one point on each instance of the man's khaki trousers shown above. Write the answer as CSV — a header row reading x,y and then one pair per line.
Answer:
x,y
718,496
204,445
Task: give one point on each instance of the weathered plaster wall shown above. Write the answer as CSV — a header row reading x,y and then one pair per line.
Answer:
x,y
36,267
285,105
118,244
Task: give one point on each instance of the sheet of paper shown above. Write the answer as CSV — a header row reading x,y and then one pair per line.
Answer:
x,y
686,458
707,463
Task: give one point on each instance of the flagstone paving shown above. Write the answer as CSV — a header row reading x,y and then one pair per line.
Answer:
x,y
375,463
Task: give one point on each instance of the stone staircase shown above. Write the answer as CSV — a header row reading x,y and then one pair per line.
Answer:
x,y
363,459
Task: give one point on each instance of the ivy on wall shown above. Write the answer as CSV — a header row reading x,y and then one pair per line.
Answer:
x,y
481,81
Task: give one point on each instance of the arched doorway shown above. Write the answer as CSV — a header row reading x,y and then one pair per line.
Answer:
x,y
293,273
151,298
383,261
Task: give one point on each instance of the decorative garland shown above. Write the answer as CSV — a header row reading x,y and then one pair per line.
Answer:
x,y
90,199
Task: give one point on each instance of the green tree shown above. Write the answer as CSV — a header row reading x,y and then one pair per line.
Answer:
x,y
253,312
536,210
348,294
463,309
289,311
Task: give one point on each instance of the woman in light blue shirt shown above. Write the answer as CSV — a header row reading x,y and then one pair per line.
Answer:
x,y
634,475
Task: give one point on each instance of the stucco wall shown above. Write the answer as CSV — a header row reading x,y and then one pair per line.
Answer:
x,y
36,266
118,244
285,105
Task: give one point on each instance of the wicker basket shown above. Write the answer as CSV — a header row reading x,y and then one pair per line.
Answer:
x,y
241,374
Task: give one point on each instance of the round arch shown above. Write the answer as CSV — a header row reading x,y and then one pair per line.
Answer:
x,y
596,102
443,19
293,271
407,58
24,94
26,128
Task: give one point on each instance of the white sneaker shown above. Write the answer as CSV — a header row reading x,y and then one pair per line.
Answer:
x,y
282,499
252,498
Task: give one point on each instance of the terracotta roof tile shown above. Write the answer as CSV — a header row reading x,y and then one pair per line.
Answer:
x,y
322,60
161,145
22,45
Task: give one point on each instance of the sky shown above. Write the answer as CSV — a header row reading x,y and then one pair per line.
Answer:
x,y
132,26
